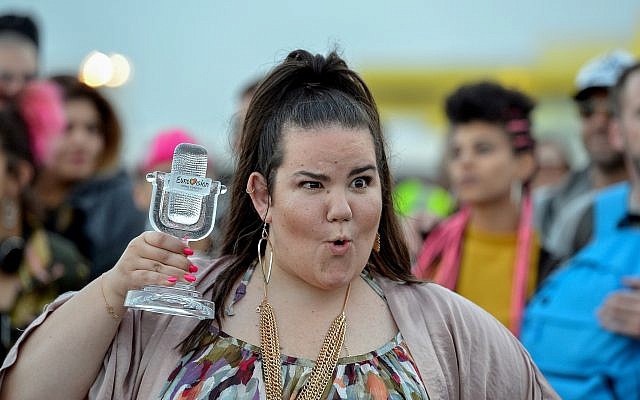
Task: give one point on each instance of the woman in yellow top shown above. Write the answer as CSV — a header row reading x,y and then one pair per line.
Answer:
x,y
488,251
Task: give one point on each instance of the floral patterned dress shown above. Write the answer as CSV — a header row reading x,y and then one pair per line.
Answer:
x,y
225,367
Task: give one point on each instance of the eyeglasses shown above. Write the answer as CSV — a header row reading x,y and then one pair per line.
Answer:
x,y
594,105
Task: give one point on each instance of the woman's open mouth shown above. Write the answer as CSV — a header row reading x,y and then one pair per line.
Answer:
x,y
339,247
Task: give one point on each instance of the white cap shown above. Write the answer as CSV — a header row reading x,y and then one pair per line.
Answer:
x,y
602,71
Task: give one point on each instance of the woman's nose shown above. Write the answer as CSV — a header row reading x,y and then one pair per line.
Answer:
x,y
338,207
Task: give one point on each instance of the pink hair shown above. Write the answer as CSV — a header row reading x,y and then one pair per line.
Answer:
x,y
162,147
41,106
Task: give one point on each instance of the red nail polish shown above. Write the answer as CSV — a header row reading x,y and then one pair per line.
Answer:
x,y
189,278
193,268
187,251
172,279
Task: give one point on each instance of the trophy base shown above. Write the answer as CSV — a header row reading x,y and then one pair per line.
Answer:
x,y
180,300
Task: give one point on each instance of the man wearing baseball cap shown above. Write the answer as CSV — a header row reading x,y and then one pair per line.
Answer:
x,y
562,211
582,327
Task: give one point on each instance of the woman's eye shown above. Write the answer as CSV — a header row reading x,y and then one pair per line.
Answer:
x,y
311,185
484,148
361,182
93,129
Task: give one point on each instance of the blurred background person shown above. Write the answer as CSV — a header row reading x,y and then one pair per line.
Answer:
x,y
19,41
226,172
553,163
159,158
583,325
36,265
557,210
488,251
87,197
246,94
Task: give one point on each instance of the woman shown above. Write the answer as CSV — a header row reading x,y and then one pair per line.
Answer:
x,y
312,238
86,200
35,265
488,251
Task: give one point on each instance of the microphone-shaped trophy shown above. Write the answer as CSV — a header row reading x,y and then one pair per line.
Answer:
x,y
183,205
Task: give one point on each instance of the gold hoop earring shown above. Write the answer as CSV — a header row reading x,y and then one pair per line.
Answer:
x,y
376,243
250,191
265,238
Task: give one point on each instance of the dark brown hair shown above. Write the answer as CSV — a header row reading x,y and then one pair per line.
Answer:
x,y
73,89
304,91
492,103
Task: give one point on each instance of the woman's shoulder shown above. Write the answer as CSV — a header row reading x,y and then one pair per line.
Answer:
x,y
454,342
430,297
209,269
442,310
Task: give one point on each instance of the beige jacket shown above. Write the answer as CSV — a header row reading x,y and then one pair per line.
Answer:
x,y
460,350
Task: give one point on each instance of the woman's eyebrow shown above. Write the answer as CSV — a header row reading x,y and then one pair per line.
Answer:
x,y
317,177
326,178
360,170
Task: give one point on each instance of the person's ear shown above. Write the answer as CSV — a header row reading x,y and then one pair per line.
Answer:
x,y
526,166
615,135
258,189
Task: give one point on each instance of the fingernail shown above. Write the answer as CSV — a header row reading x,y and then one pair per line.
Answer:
x,y
172,279
189,278
193,268
187,251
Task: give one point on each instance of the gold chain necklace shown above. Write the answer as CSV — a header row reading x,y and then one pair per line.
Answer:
x,y
322,371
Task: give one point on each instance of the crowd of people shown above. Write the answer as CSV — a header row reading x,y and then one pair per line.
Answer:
x,y
519,279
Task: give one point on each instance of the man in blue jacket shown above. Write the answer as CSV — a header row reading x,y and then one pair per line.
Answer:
x,y
583,326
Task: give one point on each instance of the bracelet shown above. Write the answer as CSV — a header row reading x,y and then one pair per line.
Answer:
x,y
106,303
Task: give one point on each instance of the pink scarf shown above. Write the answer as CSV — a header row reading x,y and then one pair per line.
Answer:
x,y
442,251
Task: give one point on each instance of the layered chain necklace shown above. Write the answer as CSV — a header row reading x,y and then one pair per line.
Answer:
x,y
322,371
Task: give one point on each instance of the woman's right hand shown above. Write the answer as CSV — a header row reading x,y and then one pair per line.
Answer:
x,y
153,258
68,350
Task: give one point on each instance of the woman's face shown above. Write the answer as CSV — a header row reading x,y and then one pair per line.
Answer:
x,y
76,153
482,165
326,205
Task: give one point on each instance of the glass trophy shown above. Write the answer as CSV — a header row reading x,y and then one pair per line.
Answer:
x,y
184,206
